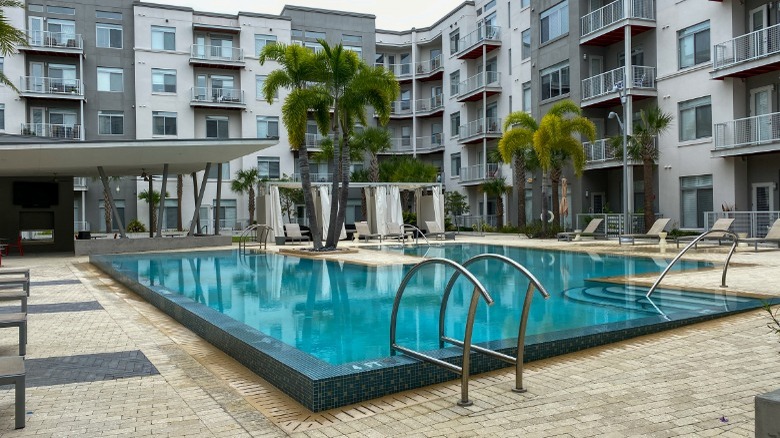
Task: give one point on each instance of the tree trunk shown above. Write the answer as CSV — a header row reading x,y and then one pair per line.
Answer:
x,y
555,180
308,199
647,168
344,194
544,202
500,212
251,205
373,173
179,194
107,211
519,184
335,195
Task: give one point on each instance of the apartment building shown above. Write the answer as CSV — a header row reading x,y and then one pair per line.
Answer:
x,y
136,70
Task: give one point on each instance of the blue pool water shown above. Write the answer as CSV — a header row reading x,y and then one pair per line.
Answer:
x,y
339,312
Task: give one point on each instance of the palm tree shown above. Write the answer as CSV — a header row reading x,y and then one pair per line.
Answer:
x,y
179,194
643,146
153,201
496,188
515,144
554,143
245,181
372,141
10,38
298,73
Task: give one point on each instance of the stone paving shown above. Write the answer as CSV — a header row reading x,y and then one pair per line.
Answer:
x,y
136,372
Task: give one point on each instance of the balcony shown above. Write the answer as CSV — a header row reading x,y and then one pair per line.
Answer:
x,y
430,143
602,90
604,26
476,131
61,131
751,135
748,55
399,146
216,56
314,141
51,88
599,155
472,88
53,43
430,70
430,107
471,46
227,98
315,177
401,109
477,173
402,72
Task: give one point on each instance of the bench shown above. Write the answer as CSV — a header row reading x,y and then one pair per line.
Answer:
x,y
13,295
12,373
16,320
12,283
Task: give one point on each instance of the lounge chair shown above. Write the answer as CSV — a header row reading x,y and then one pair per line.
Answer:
x,y
772,236
365,233
653,233
721,224
293,233
395,231
589,231
434,230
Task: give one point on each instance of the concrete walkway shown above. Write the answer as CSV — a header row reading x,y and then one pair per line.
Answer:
x,y
102,362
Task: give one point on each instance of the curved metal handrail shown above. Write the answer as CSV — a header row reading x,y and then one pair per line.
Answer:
x,y
694,242
263,238
534,283
244,233
416,235
464,369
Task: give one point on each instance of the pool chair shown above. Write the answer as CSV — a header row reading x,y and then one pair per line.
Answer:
x,y
589,231
395,231
365,233
652,234
434,230
721,224
293,233
772,236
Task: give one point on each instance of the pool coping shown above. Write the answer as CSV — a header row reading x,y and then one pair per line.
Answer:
x,y
319,386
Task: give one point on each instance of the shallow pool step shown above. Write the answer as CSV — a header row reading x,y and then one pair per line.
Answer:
x,y
634,298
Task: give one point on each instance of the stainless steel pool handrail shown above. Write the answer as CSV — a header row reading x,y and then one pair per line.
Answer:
x,y
689,246
479,290
533,283
244,234
416,235
263,238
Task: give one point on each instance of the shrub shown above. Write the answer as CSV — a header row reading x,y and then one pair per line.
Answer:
x,y
135,226
410,218
534,230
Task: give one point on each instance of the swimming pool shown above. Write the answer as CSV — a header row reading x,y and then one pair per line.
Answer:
x,y
328,321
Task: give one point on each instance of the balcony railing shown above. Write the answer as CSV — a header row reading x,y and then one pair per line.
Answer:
x,y
478,127
401,108
745,48
641,77
315,177
35,84
54,40
478,81
431,65
217,95
477,172
50,130
207,52
748,131
430,142
315,140
614,12
401,145
429,104
482,33
598,151
401,70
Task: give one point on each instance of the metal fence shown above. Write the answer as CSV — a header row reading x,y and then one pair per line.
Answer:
x,y
745,48
748,223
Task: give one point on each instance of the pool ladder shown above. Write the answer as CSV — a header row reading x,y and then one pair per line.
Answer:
x,y
465,344
262,236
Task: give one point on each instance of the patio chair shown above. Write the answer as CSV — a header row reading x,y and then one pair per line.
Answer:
x,y
653,233
395,231
721,224
589,231
293,233
365,233
772,236
17,244
434,230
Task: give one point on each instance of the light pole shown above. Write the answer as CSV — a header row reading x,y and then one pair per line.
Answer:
x,y
613,115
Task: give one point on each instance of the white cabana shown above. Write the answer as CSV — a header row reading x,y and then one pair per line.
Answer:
x,y
438,206
324,192
274,212
394,210
380,202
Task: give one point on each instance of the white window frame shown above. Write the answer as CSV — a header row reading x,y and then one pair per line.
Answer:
x,y
110,72
265,167
110,115
685,108
691,34
158,41
262,40
455,169
259,84
108,28
268,121
552,71
166,116
160,74
557,22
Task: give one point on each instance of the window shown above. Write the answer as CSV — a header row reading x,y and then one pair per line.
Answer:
x,y
267,127
525,3
379,59
170,214
695,199
163,123
406,136
555,81
489,5
214,171
268,167
296,34
60,10
110,79
314,47
527,97
695,118
2,64
693,45
454,83
108,15
35,8
357,49
163,80
455,164
455,124
526,51
260,83
315,35
109,35
454,41
356,39
555,21
2,116
262,41
111,122
217,127
228,217
163,38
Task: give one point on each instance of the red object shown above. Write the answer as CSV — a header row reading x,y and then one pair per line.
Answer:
x,y
17,245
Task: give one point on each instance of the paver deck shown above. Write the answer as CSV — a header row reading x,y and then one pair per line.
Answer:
x,y
106,363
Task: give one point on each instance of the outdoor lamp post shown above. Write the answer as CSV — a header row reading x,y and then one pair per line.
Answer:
x,y
626,217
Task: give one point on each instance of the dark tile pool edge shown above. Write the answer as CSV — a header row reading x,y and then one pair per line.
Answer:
x,y
320,386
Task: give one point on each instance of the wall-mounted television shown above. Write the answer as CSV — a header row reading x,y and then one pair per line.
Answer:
x,y
35,194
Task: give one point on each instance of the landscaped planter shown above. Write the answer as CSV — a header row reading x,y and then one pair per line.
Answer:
x,y
768,415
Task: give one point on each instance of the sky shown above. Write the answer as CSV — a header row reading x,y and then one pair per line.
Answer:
x,y
390,14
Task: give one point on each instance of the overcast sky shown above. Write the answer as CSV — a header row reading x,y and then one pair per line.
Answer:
x,y
390,14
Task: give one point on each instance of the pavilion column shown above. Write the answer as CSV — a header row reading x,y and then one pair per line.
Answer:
x,y
199,200
161,207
